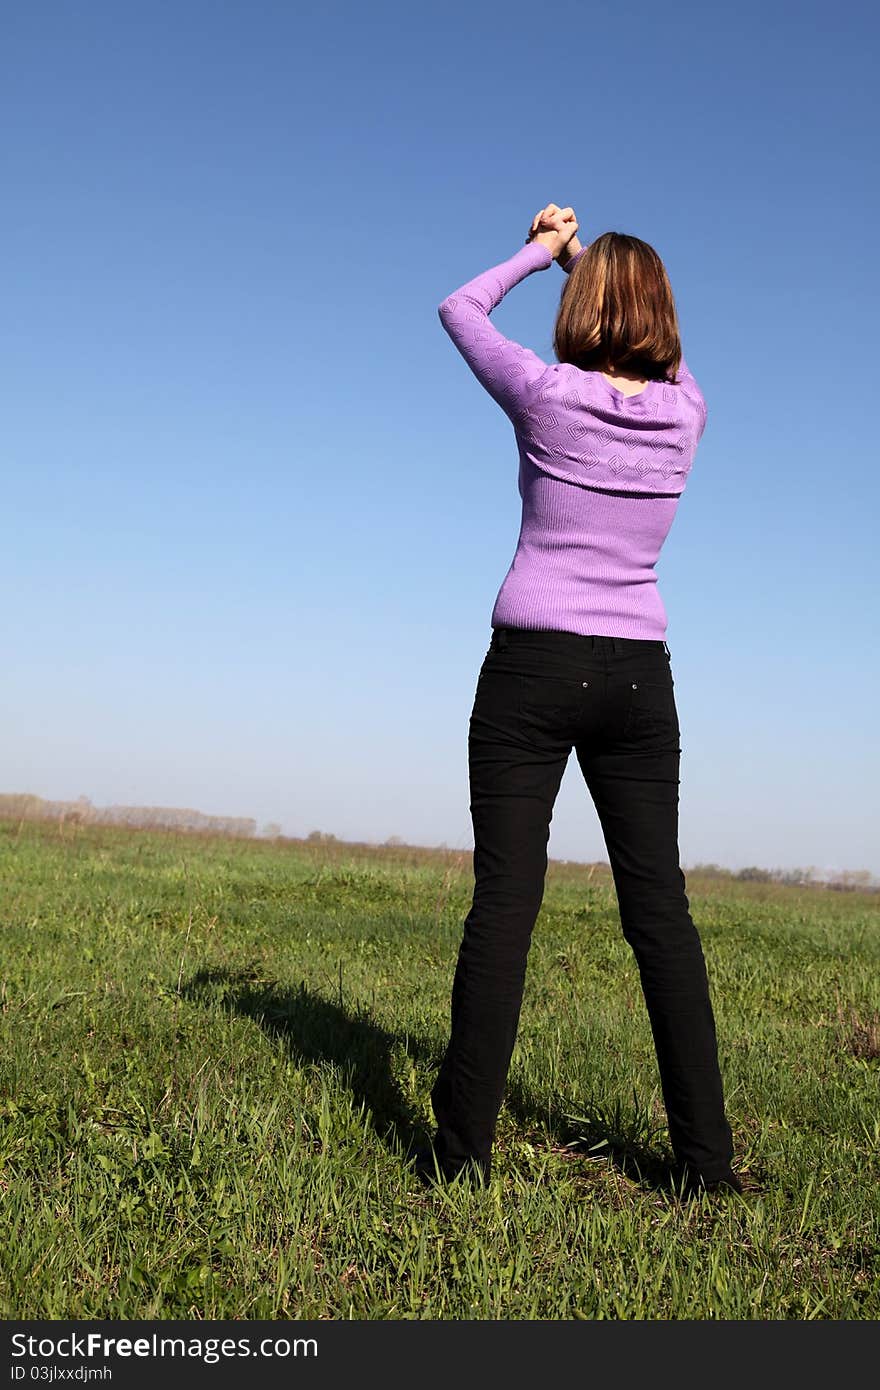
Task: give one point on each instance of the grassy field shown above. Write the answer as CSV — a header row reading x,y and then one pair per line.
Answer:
x,y
214,1051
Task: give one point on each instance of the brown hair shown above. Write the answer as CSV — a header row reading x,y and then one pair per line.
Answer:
x,y
617,309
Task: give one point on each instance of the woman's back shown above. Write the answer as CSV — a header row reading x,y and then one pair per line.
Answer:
x,y
601,470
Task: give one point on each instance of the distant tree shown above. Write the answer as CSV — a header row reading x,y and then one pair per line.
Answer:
x,y
851,880
791,876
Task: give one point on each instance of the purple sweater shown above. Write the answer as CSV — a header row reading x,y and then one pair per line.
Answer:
x,y
600,473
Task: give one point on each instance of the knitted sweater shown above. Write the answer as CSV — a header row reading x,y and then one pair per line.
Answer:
x,y
600,473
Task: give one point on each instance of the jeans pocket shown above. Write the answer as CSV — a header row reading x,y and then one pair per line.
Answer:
x,y
549,698
496,696
650,706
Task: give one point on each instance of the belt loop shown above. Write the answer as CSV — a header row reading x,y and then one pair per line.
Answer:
x,y
501,636
618,646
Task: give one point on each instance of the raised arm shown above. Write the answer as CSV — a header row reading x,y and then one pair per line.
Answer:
x,y
691,389
506,369
568,266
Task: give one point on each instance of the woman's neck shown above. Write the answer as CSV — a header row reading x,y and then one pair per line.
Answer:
x,y
623,375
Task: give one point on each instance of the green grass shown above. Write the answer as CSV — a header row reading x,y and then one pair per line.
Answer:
x,y
215,1049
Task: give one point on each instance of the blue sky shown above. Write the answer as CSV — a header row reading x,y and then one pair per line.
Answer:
x,y
257,509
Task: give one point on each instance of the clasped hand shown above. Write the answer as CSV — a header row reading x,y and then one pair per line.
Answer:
x,y
555,228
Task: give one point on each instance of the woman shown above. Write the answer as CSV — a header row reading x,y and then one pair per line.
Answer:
x,y
578,659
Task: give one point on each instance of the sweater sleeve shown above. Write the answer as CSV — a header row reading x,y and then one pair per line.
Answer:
x,y
569,265
691,389
506,369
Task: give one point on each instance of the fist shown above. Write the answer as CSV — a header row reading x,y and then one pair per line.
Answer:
x,y
554,228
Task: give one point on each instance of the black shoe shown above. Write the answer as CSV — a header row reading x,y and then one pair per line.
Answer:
x,y
431,1168
691,1185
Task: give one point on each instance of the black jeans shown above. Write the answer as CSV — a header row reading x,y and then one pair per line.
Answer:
x,y
539,694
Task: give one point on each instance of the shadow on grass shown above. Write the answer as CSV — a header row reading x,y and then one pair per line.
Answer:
x,y
319,1031
624,1136
316,1030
